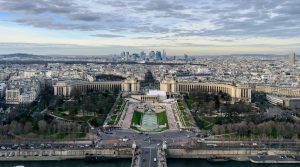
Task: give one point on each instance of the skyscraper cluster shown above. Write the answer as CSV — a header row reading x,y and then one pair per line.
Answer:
x,y
152,56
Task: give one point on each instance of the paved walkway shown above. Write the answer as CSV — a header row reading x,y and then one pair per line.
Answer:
x,y
127,120
171,117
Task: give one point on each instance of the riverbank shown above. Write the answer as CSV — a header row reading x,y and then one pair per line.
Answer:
x,y
281,159
57,155
272,156
127,163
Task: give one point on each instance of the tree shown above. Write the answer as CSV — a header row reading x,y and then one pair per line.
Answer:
x,y
95,122
217,101
225,96
274,132
59,100
221,129
216,129
27,127
116,91
15,127
89,106
242,128
211,107
46,96
42,124
76,93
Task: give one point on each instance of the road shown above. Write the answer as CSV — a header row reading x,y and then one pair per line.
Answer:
x,y
187,139
174,139
147,156
148,145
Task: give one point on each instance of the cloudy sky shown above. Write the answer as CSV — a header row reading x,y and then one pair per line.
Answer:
x,y
195,27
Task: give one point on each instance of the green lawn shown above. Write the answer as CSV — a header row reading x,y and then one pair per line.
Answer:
x,y
112,120
189,103
185,115
205,123
162,118
120,106
84,118
136,118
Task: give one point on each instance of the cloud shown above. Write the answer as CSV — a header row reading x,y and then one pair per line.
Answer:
x,y
87,17
142,37
64,49
160,5
107,35
49,23
151,28
38,7
234,19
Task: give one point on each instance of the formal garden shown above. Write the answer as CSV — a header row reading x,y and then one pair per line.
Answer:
x,y
54,118
149,121
117,112
183,114
219,115
92,107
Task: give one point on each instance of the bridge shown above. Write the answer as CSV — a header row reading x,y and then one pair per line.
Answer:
x,y
150,156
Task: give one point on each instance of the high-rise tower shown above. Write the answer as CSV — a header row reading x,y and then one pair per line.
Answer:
x,y
164,55
292,58
158,55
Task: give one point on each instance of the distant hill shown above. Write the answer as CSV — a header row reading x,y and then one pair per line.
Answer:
x,y
22,56
256,55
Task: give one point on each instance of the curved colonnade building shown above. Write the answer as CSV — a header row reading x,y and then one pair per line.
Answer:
x,y
284,96
237,93
169,85
64,88
278,91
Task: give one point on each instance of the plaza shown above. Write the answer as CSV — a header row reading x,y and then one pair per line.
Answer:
x,y
149,116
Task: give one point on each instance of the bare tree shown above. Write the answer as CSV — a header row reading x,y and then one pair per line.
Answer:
x,y
211,107
27,127
76,93
216,129
15,127
42,124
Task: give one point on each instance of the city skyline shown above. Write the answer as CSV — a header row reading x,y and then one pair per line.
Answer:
x,y
182,27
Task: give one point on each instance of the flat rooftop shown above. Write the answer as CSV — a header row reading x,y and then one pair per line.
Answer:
x,y
156,93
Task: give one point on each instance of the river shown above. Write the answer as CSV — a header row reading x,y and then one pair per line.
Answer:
x,y
126,163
